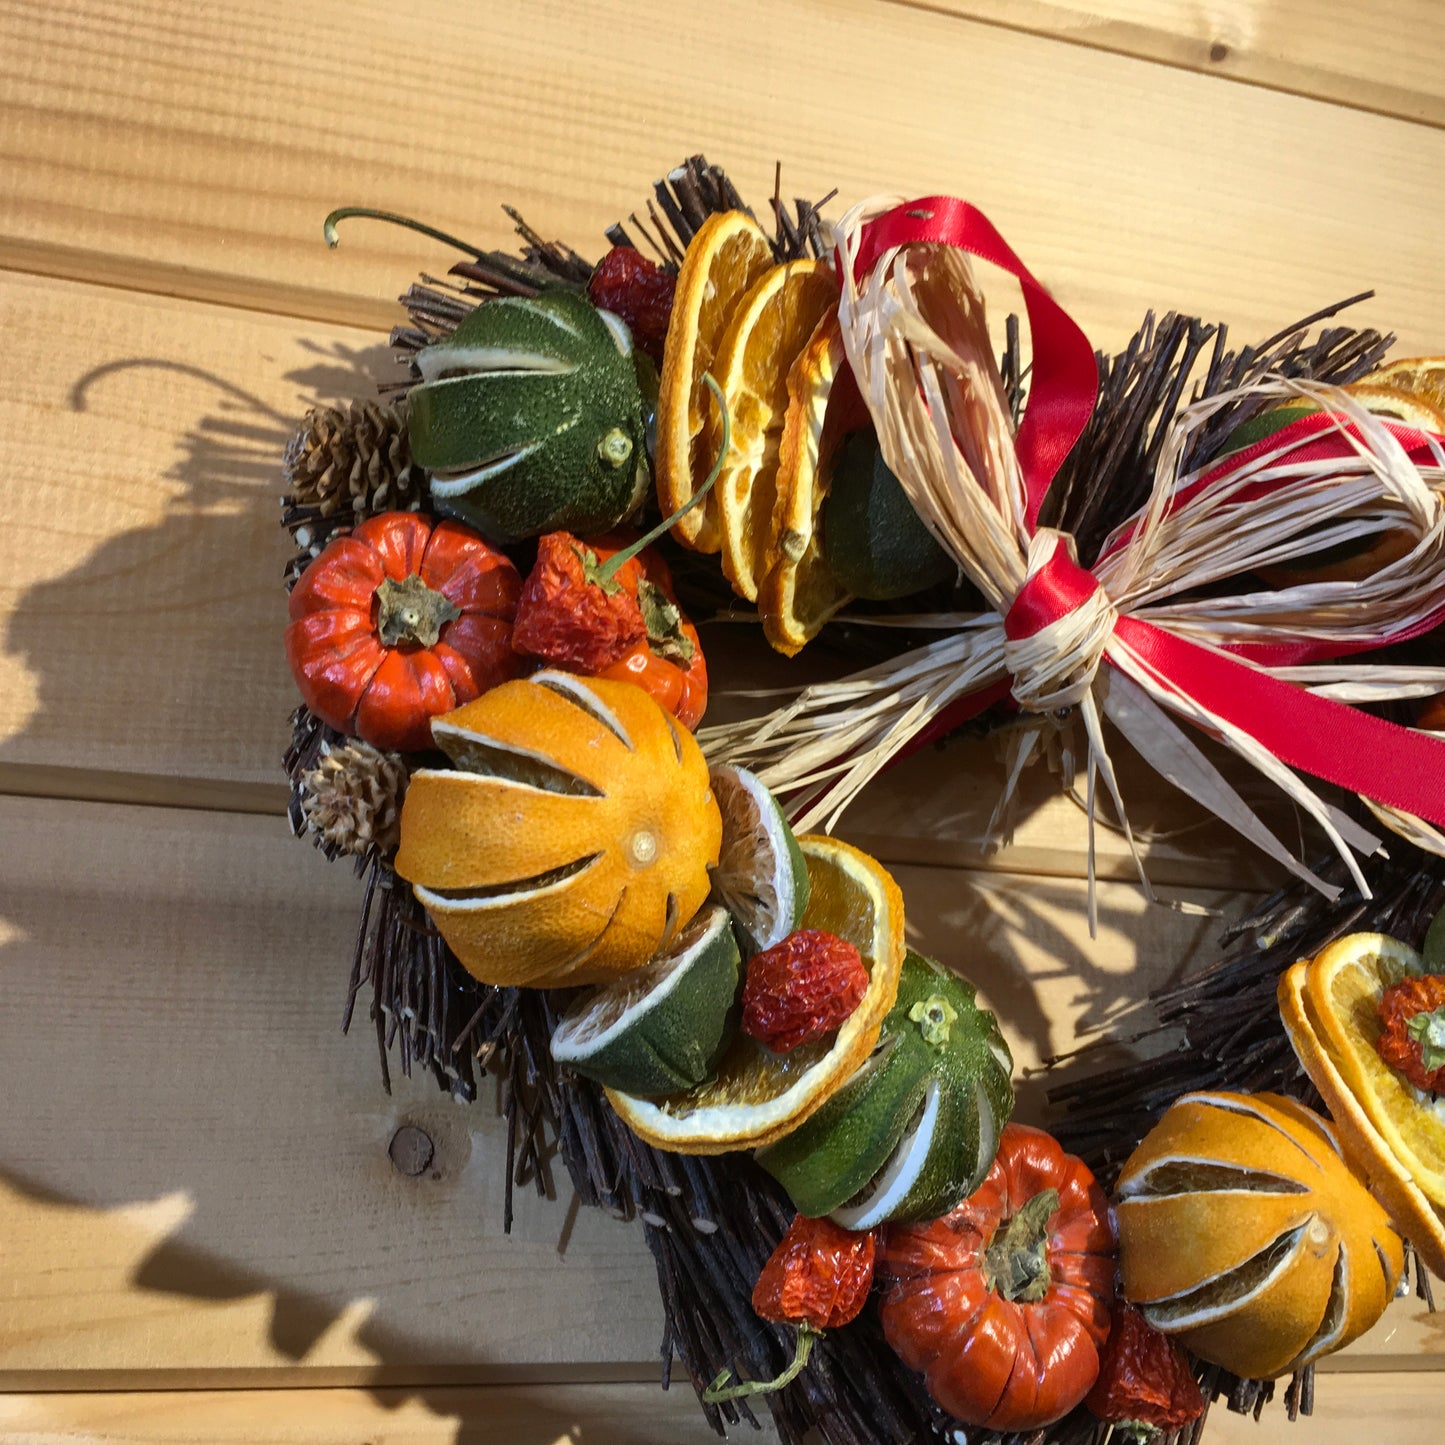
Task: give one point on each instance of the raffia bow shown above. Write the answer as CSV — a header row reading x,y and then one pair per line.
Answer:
x,y
1134,638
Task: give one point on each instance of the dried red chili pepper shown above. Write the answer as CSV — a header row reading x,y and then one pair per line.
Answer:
x,y
801,989
1144,1377
817,1279
627,284
583,610
1412,1013
566,616
819,1274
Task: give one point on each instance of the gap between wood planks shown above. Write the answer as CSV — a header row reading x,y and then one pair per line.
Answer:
x,y
1408,1406
141,276
1211,40
89,785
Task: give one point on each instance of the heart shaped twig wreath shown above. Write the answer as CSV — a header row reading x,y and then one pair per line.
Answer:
x,y
718,1026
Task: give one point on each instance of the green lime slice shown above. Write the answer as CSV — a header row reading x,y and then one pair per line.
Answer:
x,y
664,1027
916,1127
760,878
833,1154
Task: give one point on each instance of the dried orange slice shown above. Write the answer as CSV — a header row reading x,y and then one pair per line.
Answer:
x,y
571,840
800,593
1244,1231
771,326
1421,376
1396,1135
726,256
1398,403
758,1096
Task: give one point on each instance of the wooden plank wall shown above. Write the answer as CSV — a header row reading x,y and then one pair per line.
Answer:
x,y
201,1234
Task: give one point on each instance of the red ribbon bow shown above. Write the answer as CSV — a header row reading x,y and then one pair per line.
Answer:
x,y
1392,765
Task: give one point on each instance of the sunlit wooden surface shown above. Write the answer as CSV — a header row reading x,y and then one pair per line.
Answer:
x,y
202,1236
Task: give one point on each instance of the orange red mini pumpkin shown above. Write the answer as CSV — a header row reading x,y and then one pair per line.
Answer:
x,y
1004,1303
398,622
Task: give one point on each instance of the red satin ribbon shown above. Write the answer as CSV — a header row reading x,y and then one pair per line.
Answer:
x,y
1390,764
1341,744
1058,587
1065,377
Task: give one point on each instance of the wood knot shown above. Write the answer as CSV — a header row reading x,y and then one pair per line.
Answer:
x,y
411,1151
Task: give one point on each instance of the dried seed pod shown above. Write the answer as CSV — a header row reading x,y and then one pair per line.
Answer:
x,y
343,466
351,800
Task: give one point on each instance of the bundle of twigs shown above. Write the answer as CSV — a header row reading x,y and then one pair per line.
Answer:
x,y
711,1222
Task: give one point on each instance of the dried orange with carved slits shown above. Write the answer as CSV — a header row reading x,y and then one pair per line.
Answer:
x,y
572,838
726,256
1243,1231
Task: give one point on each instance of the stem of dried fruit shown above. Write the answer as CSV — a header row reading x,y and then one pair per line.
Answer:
x,y
720,1390
608,569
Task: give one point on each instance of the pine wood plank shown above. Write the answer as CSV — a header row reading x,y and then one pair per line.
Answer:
x,y
1333,50
559,1414
194,1177
194,1183
140,646
1347,1407
182,150
140,564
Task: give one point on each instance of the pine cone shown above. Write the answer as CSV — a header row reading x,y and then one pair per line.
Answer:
x,y
344,466
351,800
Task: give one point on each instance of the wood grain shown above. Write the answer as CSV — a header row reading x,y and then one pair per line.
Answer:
x,y
194,1181
195,1193
569,1414
141,599
148,145
145,438
1348,1408
194,1178
1333,50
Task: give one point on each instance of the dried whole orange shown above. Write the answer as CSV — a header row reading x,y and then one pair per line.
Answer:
x,y
1394,1134
571,840
726,256
770,328
1244,1232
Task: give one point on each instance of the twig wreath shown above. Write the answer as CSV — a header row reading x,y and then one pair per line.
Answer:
x,y
706,1007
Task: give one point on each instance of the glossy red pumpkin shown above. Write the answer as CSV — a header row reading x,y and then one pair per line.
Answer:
x,y
398,622
1004,1303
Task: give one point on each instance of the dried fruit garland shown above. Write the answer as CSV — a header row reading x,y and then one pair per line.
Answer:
x,y
876,1088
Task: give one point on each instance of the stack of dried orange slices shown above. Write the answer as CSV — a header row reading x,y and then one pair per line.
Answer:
x,y
1392,1132
770,335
